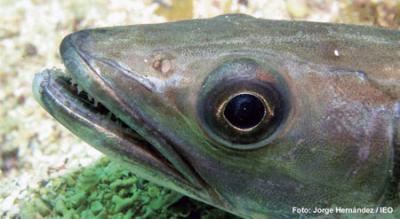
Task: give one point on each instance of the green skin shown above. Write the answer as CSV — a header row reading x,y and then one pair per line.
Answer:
x,y
332,138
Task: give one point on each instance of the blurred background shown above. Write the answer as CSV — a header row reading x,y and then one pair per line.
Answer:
x,y
33,146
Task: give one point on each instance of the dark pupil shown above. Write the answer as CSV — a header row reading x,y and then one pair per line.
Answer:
x,y
244,111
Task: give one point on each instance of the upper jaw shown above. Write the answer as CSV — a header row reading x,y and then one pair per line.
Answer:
x,y
55,92
149,152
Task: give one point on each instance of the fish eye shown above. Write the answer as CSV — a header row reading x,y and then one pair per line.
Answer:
x,y
245,111
242,112
238,110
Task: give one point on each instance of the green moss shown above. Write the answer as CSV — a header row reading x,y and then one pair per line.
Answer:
x,y
107,190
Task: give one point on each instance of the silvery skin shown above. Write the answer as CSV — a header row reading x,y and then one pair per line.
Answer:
x,y
252,116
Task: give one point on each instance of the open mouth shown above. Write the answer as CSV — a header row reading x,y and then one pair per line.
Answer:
x,y
95,109
92,121
88,118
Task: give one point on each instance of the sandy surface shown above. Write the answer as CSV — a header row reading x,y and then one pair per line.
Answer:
x,y
33,146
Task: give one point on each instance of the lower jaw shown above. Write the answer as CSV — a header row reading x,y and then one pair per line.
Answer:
x,y
93,124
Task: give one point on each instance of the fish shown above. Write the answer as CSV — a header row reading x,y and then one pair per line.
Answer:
x,y
260,118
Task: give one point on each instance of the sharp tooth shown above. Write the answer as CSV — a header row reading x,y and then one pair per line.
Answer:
x,y
73,82
96,103
79,89
90,98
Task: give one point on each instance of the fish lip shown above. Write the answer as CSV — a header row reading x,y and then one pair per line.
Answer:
x,y
52,91
81,66
120,144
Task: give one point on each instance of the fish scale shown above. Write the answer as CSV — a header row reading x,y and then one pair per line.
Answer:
x,y
260,118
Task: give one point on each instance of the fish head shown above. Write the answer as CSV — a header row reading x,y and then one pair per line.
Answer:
x,y
252,116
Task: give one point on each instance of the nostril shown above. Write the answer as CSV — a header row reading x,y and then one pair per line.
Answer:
x,y
163,63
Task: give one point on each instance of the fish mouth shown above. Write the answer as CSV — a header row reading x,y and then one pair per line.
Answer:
x,y
83,115
68,97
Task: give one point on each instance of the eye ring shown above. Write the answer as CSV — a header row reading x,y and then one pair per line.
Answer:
x,y
247,111
221,129
243,77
